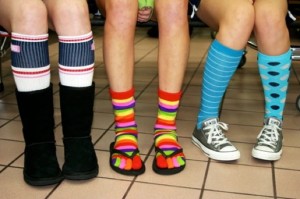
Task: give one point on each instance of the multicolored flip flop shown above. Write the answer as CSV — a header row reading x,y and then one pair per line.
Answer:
x,y
123,171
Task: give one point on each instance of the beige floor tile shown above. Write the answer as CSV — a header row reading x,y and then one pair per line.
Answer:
x,y
246,157
8,111
102,120
192,176
291,138
289,159
104,168
12,131
13,186
2,122
287,183
9,151
92,189
149,191
243,133
215,194
240,179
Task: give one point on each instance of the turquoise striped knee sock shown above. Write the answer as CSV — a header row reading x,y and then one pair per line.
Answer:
x,y
220,65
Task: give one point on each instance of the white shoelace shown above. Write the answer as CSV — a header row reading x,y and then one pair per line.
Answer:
x,y
215,134
269,135
195,9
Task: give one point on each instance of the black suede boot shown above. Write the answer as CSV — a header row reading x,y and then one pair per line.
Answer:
x,y
77,117
36,112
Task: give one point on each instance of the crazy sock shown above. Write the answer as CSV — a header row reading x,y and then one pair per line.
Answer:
x,y
220,66
274,72
30,61
125,131
165,131
76,60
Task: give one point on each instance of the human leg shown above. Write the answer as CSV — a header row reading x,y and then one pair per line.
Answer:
x,y
274,60
223,58
27,22
172,60
119,34
145,9
70,19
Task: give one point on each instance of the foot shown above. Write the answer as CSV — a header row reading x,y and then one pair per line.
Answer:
x,y
269,141
125,157
41,167
80,159
211,139
169,157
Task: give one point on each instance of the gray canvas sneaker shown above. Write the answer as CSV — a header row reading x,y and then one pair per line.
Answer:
x,y
211,139
269,141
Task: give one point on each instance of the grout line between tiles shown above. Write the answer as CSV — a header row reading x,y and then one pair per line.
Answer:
x,y
205,178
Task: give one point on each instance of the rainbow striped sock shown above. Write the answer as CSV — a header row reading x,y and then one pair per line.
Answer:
x,y
126,131
165,132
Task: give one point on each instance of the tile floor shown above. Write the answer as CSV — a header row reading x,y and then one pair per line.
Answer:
x,y
243,109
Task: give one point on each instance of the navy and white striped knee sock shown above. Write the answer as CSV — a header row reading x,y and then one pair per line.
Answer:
x,y
30,61
76,60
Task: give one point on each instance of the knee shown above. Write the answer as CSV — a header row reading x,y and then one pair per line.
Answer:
x,y
32,9
121,15
268,19
68,9
241,17
31,16
172,16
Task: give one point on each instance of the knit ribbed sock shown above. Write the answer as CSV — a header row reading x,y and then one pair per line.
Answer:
x,y
125,131
220,65
30,61
165,131
274,72
76,60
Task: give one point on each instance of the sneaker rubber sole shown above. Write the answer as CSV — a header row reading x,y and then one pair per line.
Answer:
x,y
221,156
263,155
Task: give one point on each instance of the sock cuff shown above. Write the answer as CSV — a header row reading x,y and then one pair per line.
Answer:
x,y
225,49
29,38
169,96
121,95
284,56
76,39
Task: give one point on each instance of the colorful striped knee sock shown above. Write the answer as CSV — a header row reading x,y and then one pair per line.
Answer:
x,y
165,132
274,72
126,131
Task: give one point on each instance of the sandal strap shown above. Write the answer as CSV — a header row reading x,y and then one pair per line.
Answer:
x,y
158,150
113,150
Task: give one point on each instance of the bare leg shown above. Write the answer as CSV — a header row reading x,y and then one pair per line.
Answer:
x,y
14,16
172,61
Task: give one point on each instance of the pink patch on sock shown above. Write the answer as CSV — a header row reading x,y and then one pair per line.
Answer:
x,y
175,162
122,164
